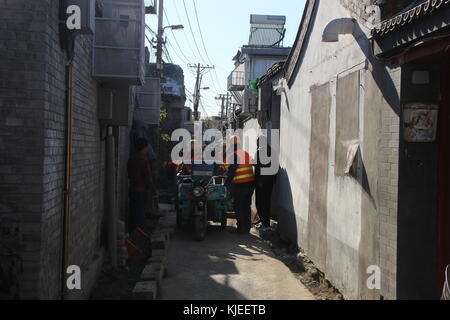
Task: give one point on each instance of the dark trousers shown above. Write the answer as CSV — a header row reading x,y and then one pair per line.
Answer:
x,y
242,194
138,206
264,187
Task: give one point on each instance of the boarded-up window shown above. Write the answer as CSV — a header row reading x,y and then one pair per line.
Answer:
x,y
347,118
319,162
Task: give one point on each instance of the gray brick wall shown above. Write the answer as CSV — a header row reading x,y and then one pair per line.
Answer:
x,y
22,101
87,198
388,193
360,10
32,144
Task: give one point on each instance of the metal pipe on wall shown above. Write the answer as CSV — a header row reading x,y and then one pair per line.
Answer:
x,y
111,201
68,178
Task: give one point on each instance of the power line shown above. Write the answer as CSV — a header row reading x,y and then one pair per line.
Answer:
x,y
203,109
188,42
166,53
176,41
200,31
192,31
176,53
204,47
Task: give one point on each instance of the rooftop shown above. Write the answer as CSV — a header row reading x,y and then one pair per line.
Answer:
x,y
409,15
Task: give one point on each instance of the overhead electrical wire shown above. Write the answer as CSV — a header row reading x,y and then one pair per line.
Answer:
x,y
200,31
177,52
204,47
183,57
188,42
176,40
192,32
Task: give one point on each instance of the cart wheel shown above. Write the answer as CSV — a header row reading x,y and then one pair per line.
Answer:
x,y
224,222
200,224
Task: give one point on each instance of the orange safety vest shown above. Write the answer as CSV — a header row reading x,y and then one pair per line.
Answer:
x,y
244,172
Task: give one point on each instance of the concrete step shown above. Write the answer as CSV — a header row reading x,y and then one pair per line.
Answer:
x,y
160,259
158,253
153,272
146,290
159,242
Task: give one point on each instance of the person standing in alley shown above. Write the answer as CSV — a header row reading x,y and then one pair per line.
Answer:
x,y
241,180
141,184
264,183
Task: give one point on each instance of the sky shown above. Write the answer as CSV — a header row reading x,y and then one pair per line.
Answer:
x,y
215,37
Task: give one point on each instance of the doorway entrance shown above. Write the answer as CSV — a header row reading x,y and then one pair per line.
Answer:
x,y
424,179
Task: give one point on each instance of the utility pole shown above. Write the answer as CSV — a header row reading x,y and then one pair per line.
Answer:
x,y
159,45
226,99
222,97
225,105
228,104
200,71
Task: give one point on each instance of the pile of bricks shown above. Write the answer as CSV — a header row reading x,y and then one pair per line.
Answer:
x,y
156,268
122,253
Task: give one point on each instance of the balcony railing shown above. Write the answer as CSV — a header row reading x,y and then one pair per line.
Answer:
x,y
237,81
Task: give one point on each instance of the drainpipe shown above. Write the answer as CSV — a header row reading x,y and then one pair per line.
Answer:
x,y
68,178
111,201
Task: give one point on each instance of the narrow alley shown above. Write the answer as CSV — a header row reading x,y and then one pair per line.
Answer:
x,y
225,150
226,267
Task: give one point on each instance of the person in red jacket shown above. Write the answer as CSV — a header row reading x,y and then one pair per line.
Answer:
x,y
241,180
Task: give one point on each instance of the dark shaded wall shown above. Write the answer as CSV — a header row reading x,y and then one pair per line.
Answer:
x,y
418,197
33,146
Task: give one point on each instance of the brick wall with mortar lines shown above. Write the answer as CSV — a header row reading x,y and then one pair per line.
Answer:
x,y
388,169
87,193
32,123
54,167
388,192
360,9
23,96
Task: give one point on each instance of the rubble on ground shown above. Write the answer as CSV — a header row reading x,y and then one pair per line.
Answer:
x,y
301,266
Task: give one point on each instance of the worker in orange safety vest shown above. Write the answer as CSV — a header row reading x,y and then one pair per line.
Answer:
x,y
241,180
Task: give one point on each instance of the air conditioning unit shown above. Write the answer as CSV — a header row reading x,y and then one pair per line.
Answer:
x,y
119,43
80,12
250,101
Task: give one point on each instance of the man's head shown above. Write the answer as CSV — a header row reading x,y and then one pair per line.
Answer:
x,y
142,145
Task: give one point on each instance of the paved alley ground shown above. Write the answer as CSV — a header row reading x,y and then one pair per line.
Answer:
x,y
227,266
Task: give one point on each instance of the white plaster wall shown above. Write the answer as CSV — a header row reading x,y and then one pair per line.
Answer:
x,y
252,131
323,62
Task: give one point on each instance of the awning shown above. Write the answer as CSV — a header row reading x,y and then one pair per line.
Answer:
x,y
427,21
